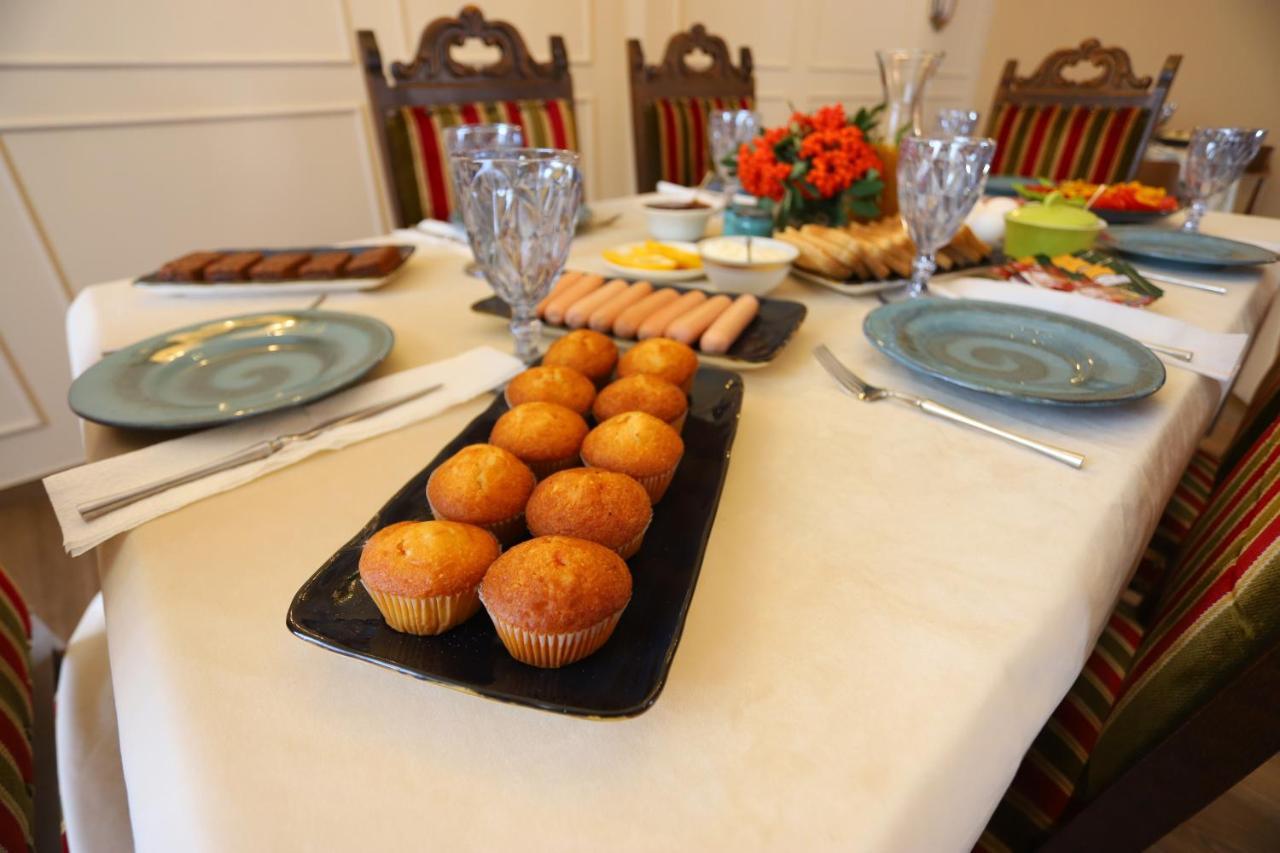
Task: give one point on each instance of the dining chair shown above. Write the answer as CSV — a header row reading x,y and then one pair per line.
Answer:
x,y
1179,700
1048,126
434,91
670,102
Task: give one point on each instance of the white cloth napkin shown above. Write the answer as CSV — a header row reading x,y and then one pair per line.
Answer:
x,y
437,232
463,376
707,197
1217,354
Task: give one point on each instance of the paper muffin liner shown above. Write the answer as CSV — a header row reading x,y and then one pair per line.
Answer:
x,y
554,650
628,549
543,470
656,484
425,616
507,531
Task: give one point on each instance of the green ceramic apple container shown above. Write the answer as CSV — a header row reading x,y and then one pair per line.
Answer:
x,y
1052,228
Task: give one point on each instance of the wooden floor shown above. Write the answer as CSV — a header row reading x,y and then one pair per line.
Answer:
x,y
1244,820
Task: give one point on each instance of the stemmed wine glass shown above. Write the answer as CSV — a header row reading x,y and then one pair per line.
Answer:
x,y
939,180
520,206
729,129
1215,158
954,122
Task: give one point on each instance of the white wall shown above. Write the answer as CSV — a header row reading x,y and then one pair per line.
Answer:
x,y
134,130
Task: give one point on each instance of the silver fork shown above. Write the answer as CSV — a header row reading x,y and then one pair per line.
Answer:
x,y
870,394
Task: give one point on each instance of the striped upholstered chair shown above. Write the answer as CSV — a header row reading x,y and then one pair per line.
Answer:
x,y
1174,708
670,102
1048,126
435,91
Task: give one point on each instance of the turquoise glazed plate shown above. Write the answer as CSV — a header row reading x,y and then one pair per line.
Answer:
x,y
225,370
1005,185
1185,247
1017,352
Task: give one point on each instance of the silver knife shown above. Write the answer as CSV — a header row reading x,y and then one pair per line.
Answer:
x,y
260,450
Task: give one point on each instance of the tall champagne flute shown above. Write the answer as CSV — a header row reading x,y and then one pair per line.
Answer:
x,y
520,206
729,129
1216,156
939,180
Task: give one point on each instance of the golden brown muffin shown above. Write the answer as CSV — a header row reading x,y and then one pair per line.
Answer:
x,y
555,384
663,358
545,436
591,503
424,576
590,353
485,486
643,393
639,445
555,599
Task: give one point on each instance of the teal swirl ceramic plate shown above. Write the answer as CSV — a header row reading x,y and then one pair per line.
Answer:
x,y
225,370
1017,352
1185,247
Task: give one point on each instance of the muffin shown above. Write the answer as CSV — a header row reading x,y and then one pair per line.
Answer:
x,y
663,358
485,486
555,384
555,599
639,445
642,393
593,504
590,353
544,436
424,576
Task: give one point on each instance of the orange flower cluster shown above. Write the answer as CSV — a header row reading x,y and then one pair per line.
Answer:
x,y
837,158
837,153
758,168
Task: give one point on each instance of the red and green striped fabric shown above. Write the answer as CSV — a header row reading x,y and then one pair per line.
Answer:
x,y
684,142
416,138
1218,610
17,759
1098,144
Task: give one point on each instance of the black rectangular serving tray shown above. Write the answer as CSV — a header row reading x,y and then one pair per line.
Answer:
x,y
624,677
759,343
405,252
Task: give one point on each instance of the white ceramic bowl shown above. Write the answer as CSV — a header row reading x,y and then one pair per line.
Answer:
x,y
725,261
672,223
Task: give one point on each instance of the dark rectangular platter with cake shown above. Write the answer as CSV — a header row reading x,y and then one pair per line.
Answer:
x,y
626,675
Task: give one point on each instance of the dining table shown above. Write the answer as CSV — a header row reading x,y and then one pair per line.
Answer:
x,y
889,608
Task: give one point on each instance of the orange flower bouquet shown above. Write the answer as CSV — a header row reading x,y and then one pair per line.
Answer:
x,y
817,168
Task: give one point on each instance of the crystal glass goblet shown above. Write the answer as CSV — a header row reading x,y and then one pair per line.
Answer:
x,y
520,206
1216,156
729,129
939,180
953,122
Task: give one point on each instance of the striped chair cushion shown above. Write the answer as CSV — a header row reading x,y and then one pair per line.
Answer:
x,y
1098,144
415,136
1218,610
1190,497
17,758
684,143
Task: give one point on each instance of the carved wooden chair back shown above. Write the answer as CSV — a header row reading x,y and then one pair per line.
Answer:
x,y
670,102
1046,125
435,91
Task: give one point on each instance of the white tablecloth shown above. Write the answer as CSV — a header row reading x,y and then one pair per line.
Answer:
x,y
889,609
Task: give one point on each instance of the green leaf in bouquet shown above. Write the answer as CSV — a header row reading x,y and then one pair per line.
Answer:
x,y
800,169
865,208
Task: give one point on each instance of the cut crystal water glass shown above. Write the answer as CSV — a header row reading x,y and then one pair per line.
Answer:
x,y
520,206
1216,156
953,122
939,180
